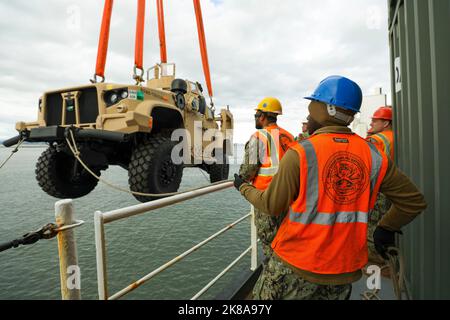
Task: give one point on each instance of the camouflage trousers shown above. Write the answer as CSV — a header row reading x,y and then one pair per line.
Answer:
x,y
279,282
266,228
382,205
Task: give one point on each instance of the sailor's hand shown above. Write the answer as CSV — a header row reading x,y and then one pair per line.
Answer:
x,y
383,240
238,182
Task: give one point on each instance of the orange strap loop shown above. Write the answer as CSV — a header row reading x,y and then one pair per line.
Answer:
x,y
203,49
104,39
140,24
162,31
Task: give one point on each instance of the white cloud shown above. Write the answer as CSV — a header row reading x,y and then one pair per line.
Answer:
x,y
257,48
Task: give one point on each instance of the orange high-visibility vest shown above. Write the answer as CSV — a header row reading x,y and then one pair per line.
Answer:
x,y
274,141
325,231
384,142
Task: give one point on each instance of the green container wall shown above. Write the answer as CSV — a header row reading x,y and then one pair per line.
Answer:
x,y
419,34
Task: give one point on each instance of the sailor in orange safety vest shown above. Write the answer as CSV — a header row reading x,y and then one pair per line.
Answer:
x,y
327,185
382,136
263,153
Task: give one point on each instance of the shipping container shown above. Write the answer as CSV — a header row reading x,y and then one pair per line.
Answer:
x,y
419,35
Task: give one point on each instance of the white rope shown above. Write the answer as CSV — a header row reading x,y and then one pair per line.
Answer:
x,y
73,148
12,153
396,266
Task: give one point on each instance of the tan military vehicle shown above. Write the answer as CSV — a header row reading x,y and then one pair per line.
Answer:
x,y
130,126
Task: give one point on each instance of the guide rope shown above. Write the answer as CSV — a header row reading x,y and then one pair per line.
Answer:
x,y
396,265
12,153
73,148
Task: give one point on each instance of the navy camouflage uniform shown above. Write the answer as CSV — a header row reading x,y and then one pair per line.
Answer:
x,y
266,225
278,281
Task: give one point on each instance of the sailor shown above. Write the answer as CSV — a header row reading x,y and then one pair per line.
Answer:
x,y
304,135
382,136
263,153
327,185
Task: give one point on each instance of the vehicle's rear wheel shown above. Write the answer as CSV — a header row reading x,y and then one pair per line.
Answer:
x,y
60,176
219,171
152,170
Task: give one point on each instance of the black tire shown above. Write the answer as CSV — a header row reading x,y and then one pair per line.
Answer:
x,y
151,169
219,172
54,173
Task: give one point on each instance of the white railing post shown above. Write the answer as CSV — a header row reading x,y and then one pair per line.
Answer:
x,y
68,260
254,241
100,246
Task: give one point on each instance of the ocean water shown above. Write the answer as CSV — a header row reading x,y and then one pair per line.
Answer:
x,y
135,246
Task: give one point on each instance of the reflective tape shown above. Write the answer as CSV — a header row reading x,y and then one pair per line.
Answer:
x,y
387,144
268,171
274,156
328,219
312,187
377,162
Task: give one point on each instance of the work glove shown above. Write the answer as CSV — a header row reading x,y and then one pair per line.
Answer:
x,y
238,182
383,240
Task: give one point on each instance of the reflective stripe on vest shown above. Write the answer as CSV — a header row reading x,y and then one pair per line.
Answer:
x,y
268,172
328,219
377,162
387,144
272,152
273,143
384,142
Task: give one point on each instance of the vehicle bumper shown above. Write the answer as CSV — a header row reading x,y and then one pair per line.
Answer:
x,y
58,133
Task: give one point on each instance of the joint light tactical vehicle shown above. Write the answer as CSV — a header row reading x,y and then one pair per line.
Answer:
x,y
130,126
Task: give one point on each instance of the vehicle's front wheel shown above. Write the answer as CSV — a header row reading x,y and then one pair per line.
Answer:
x,y
60,176
152,170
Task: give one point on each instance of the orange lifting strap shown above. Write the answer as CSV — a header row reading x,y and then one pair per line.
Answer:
x,y
104,39
139,49
162,31
203,50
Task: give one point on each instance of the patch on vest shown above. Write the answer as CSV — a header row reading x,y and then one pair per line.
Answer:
x,y
340,140
345,178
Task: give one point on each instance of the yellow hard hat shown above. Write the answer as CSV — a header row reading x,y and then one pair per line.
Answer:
x,y
271,105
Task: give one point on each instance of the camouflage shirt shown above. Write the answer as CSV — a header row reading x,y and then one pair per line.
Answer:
x,y
302,136
266,225
251,164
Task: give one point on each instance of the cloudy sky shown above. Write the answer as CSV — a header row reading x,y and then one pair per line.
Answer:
x,y
257,48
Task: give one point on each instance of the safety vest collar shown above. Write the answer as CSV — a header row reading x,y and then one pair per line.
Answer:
x,y
334,129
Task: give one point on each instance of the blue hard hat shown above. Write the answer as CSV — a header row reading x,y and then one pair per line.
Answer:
x,y
340,92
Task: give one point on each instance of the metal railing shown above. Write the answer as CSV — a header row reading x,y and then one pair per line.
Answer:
x,y
101,219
